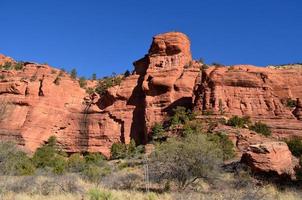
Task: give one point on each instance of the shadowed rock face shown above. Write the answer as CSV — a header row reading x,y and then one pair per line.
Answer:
x,y
36,107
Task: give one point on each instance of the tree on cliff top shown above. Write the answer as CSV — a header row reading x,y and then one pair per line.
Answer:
x,y
73,73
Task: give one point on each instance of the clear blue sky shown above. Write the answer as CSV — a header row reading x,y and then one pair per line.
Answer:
x,y
107,36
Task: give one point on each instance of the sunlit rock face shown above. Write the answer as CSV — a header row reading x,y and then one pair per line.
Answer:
x,y
37,106
258,92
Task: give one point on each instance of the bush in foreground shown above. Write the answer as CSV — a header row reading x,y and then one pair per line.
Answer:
x,y
97,194
76,163
227,146
14,161
48,156
158,132
120,150
184,161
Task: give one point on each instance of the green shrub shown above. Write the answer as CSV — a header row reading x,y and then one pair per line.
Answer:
x,y
158,132
13,66
94,158
73,73
192,127
131,148
118,150
239,122
106,83
14,161
223,141
7,66
127,73
89,90
43,157
76,163
181,115
96,194
291,103
93,77
18,66
261,128
49,156
186,160
295,146
82,82
94,173
208,112
59,165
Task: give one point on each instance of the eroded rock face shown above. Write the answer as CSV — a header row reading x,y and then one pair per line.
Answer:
x,y
170,76
257,92
38,107
270,157
163,79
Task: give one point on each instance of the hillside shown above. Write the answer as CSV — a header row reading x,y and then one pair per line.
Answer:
x,y
165,78
170,113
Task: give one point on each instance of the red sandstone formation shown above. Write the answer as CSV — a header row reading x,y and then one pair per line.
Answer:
x,y
4,59
257,92
270,157
298,110
39,108
166,77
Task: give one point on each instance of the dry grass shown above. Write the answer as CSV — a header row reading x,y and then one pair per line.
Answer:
x,y
27,188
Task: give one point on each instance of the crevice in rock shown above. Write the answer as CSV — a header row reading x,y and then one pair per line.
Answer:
x,y
138,130
83,140
41,93
121,122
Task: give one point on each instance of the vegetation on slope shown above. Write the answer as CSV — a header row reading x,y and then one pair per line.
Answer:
x,y
189,166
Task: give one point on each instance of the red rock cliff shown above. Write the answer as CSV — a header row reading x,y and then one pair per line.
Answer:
x,y
36,107
258,92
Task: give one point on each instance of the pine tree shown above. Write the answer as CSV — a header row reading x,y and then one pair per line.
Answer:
x,y
73,73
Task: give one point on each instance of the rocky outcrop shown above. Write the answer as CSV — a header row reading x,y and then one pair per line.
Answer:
x,y
39,101
271,158
5,59
170,76
298,110
162,80
257,92
40,107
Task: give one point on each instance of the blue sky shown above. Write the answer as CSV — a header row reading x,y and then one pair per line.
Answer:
x,y
102,37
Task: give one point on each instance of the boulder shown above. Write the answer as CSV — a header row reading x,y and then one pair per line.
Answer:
x,y
271,158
